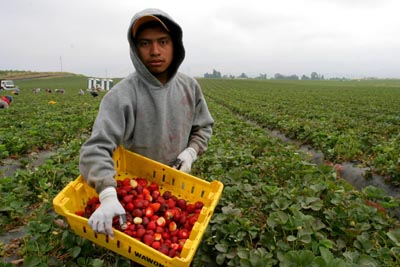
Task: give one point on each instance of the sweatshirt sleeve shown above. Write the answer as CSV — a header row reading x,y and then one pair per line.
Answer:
x,y
96,163
202,125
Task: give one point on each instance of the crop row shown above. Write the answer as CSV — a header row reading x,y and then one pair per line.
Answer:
x,y
277,208
347,121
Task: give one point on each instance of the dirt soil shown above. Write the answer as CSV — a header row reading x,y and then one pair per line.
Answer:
x,y
11,240
349,171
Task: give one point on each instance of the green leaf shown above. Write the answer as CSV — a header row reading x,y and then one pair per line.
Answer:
x,y
75,251
395,236
98,263
277,218
30,261
326,243
282,203
223,248
220,259
298,259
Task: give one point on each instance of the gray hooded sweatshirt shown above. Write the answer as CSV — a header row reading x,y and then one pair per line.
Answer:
x,y
155,120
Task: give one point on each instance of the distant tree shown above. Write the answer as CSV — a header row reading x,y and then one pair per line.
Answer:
x,y
243,76
314,76
279,76
214,74
304,77
262,76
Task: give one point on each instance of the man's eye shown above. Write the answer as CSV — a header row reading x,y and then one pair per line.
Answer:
x,y
163,42
144,43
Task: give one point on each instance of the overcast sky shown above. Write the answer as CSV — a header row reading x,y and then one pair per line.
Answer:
x,y
336,38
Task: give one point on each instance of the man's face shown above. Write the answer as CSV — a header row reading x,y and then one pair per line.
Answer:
x,y
156,51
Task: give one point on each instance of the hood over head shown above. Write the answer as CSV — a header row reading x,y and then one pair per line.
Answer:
x,y
174,30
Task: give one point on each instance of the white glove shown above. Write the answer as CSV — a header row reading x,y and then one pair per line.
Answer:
x,y
101,219
187,157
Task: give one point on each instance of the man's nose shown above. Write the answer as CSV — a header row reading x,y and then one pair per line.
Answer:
x,y
155,49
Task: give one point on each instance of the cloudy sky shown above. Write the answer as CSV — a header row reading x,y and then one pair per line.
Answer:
x,y
336,38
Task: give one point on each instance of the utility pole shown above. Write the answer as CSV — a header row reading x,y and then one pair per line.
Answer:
x,y
61,64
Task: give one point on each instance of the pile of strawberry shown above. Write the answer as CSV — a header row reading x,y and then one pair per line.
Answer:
x,y
162,221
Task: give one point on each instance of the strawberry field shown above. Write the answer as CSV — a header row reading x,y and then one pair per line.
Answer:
x,y
278,208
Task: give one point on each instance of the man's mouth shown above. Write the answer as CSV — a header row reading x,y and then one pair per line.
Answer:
x,y
155,63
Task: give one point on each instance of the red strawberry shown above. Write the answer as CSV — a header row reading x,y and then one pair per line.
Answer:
x,y
148,239
92,201
155,194
193,219
157,236
164,249
127,199
151,225
156,245
153,186
140,232
198,205
167,195
80,213
149,212
171,203
183,234
138,203
141,181
137,213
161,221
126,181
129,206
121,192
166,235
190,208
169,214
155,206
181,203
159,229
172,226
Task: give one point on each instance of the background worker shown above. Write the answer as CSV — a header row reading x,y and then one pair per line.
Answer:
x,y
156,111
5,101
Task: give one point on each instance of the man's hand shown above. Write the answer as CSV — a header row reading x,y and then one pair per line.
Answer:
x,y
101,219
187,157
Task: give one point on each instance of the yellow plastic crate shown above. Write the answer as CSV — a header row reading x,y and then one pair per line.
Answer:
x,y
127,164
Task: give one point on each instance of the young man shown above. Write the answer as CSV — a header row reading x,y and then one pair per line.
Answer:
x,y
156,112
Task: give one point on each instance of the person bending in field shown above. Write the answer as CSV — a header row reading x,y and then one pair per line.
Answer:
x,y
156,111
5,101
